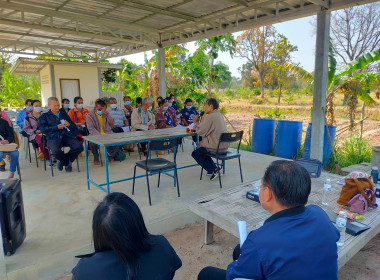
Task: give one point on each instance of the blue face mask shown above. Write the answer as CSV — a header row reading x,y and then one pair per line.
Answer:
x,y
99,112
29,108
189,107
66,106
166,108
170,104
128,103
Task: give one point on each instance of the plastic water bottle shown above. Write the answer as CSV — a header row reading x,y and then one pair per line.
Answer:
x,y
326,192
341,223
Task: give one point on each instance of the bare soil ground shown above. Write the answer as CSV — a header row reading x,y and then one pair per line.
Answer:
x,y
188,243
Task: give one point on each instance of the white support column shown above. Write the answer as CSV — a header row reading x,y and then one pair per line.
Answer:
x,y
99,84
320,83
52,79
161,72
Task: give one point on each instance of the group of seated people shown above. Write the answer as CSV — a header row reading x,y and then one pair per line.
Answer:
x,y
296,242
63,127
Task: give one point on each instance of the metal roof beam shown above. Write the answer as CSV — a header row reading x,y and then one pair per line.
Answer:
x,y
73,32
240,2
73,16
323,3
154,9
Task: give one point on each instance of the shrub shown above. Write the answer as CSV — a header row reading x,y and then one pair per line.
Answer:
x,y
257,101
353,150
272,114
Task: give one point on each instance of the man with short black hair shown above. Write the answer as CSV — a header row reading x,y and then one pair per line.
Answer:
x,y
60,132
188,113
210,129
296,242
66,104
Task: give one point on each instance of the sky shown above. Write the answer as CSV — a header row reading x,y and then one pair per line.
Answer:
x,y
299,32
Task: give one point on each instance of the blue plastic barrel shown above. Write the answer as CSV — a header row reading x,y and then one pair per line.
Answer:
x,y
263,136
327,150
288,138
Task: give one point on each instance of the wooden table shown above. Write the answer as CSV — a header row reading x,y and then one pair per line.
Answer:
x,y
119,139
225,209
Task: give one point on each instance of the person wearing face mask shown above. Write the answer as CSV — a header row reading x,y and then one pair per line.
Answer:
x,y
22,115
210,129
173,103
164,118
118,115
66,104
188,113
78,115
157,104
296,242
143,119
127,108
60,132
100,122
32,130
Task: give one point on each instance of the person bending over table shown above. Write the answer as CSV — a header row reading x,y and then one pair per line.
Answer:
x,y
210,129
143,119
78,115
164,117
100,122
7,136
60,132
33,131
296,242
118,115
124,249
22,115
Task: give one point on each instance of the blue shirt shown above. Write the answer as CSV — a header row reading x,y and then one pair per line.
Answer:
x,y
188,115
118,116
20,119
296,244
168,119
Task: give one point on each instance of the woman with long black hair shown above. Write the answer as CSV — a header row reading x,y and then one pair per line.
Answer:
x,y
124,249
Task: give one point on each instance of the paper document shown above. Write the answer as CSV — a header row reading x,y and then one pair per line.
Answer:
x,y
242,227
191,126
126,128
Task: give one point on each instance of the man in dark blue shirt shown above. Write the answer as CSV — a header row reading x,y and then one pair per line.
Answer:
x,y
188,113
296,242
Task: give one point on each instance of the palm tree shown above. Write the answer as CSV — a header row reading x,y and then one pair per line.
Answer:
x,y
357,85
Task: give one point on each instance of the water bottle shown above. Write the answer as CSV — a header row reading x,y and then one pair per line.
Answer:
x,y
375,174
326,192
341,223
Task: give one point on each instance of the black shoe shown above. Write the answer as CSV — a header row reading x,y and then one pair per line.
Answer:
x,y
68,168
214,175
59,165
2,168
209,174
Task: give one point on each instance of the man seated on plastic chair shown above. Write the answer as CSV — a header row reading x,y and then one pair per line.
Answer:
x,y
7,137
99,122
60,132
121,124
210,129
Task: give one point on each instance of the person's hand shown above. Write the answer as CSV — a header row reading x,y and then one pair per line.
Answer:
x,y
4,142
151,127
61,126
67,124
196,119
38,132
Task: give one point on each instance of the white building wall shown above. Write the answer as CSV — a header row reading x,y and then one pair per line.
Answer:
x,y
45,80
88,80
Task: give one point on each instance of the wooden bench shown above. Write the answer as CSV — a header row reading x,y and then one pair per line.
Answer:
x,y
224,209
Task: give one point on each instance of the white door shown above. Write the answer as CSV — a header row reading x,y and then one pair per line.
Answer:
x,y
70,89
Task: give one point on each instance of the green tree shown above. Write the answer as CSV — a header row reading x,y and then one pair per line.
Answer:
x,y
214,45
255,45
281,54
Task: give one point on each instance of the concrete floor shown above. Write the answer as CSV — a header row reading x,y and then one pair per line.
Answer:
x,y
58,210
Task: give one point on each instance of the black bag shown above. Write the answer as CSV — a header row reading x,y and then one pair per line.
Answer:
x,y
82,130
120,156
12,216
313,166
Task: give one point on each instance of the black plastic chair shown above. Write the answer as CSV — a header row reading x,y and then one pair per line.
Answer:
x,y
35,151
44,144
158,165
223,156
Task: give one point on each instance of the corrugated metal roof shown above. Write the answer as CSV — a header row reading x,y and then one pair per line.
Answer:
x,y
101,29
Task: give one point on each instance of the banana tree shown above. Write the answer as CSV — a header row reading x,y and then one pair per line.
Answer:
x,y
358,85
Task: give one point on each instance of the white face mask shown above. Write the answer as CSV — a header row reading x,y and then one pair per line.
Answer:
x,y
37,109
113,106
79,106
150,108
